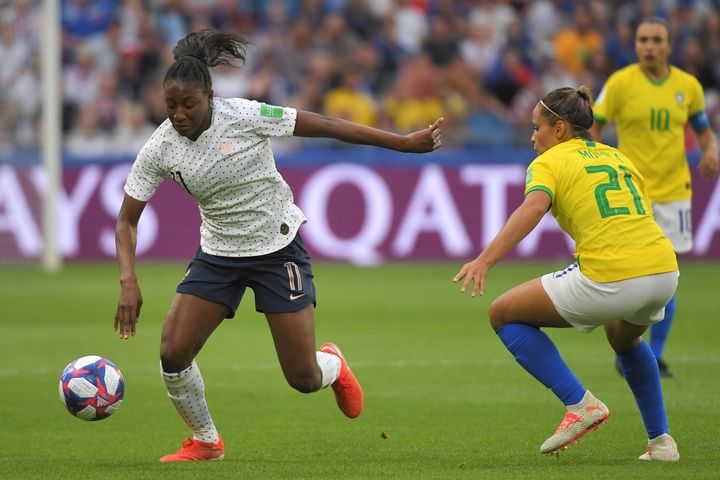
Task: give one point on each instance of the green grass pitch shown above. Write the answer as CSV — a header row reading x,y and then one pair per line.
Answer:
x,y
444,399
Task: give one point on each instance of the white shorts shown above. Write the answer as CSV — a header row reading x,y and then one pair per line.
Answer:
x,y
674,219
586,304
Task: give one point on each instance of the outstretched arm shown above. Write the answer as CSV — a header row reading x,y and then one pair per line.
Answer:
x,y
309,124
709,161
130,302
519,225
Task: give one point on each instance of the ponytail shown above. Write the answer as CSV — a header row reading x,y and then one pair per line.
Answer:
x,y
198,51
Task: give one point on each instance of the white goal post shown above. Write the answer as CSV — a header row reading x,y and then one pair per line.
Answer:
x,y
51,143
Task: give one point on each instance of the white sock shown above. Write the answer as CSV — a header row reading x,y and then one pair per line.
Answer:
x,y
577,408
186,390
329,366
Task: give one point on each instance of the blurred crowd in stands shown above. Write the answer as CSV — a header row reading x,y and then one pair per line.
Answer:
x,y
399,64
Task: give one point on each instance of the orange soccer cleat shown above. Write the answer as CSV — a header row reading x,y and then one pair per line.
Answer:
x,y
348,392
587,415
194,450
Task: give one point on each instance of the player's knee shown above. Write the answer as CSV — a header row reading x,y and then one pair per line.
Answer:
x,y
174,359
497,313
304,382
613,343
622,345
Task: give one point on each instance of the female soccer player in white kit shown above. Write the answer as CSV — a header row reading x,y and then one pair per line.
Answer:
x,y
219,151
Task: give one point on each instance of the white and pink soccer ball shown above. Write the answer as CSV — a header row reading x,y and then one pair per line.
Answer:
x,y
92,388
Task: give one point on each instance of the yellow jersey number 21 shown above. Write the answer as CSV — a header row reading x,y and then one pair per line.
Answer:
x,y
614,184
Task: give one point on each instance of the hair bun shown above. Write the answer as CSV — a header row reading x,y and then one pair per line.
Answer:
x,y
584,92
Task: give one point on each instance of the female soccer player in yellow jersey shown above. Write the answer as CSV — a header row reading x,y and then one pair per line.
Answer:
x,y
624,275
651,102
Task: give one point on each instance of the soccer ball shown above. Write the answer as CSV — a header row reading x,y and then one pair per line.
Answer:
x,y
91,388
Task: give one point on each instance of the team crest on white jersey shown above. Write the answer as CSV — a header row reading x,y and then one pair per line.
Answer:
x,y
225,145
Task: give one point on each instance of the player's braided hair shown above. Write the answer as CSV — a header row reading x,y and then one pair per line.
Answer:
x,y
571,105
198,51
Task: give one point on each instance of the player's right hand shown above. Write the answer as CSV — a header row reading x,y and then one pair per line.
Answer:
x,y
128,309
473,273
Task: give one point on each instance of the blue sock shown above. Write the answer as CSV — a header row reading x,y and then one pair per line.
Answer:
x,y
641,373
660,331
537,354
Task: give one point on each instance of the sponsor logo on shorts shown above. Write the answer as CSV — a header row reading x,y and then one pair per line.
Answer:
x,y
295,297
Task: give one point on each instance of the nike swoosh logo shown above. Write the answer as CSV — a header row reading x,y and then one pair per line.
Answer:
x,y
295,297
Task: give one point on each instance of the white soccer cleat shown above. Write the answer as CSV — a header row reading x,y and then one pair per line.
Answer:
x,y
661,449
579,420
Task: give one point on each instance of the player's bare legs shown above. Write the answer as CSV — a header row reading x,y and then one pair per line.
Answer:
x,y
623,336
308,370
189,323
294,337
526,303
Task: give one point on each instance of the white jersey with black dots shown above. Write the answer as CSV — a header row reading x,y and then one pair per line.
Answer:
x,y
246,207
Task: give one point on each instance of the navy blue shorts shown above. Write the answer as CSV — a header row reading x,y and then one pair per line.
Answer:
x,y
282,281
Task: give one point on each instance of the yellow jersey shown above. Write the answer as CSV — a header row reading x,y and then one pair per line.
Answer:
x,y
650,118
598,197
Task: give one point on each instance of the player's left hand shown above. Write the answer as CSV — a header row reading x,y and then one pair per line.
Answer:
x,y
473,272
425,140
708,165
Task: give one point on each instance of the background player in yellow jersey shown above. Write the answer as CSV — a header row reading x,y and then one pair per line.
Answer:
x,y
650,103
625,272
